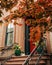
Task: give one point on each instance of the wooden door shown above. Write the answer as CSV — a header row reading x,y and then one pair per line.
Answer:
x,y
36,38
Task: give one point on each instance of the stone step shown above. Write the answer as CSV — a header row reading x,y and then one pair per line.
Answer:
x,y
24,58
34,62
20,63
19,60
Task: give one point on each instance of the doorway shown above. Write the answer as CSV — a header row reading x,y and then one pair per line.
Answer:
x,y
28,45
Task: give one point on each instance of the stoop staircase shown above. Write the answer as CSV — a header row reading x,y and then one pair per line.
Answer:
x,y
19,60
32,59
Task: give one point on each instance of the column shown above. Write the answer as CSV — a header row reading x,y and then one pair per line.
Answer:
x,y
20,33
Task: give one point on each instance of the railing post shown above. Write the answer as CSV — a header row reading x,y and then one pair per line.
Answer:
x,y
39,57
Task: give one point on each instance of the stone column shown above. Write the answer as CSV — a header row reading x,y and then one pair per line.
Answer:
x,y
20,33
2,35
51,42
48,42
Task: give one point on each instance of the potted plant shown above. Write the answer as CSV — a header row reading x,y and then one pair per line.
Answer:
x,y
17,50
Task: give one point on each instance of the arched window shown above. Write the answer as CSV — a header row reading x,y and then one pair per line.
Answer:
x,y
9,35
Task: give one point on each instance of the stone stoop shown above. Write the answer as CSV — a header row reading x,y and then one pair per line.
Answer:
x,y
19,60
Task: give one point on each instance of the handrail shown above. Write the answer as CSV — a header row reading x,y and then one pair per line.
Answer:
x,y
39,58
2,63
31,54
5,49
33,51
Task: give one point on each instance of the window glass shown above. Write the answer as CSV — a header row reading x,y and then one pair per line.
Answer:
x,y
9,34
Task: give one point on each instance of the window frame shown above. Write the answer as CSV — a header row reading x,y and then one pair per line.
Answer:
x,y
7,32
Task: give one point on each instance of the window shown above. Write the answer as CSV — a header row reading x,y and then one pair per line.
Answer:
x,y
9,35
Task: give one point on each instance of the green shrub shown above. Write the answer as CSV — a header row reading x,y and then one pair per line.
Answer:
x,y
17,50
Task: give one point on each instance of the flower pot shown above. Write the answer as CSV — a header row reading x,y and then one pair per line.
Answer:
x,y
17,52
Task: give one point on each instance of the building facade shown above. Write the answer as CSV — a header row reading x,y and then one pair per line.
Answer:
x,y
11,34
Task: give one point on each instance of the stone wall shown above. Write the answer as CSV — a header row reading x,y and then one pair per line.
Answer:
x,y
49,41
2,35
20,33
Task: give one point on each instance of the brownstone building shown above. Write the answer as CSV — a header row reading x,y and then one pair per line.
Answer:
x,y
15,31
11,34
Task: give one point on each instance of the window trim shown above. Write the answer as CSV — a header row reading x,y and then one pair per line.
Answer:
x,y
7,36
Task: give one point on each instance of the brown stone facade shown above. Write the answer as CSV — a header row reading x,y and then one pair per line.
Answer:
x,y
49,41
2,35
19,34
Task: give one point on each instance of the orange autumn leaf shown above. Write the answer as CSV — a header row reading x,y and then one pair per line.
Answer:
x,y
35,34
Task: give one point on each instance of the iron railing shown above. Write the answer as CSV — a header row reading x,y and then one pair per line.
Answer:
x,y
26,62
31,54
6,59
39,58
5,49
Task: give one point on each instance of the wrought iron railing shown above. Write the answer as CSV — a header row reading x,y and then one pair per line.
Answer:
x,y
5,49
6,59
39,58
26,62
31,54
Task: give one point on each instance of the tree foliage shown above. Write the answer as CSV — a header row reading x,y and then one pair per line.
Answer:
x,y
37,15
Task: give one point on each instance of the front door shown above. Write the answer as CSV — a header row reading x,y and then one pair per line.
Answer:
x,y
28,45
